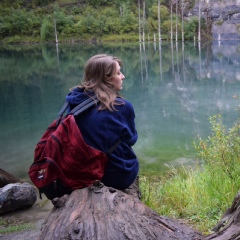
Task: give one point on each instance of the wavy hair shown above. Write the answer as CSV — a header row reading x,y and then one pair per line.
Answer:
x,y
99,70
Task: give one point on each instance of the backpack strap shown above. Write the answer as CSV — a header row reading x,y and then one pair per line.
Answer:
x,y
84,105
79,109
61,112
112,148
63,109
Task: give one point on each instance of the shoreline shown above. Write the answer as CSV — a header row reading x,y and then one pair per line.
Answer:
x,y
35,215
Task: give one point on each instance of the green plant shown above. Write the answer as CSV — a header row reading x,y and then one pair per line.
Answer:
x,y
47,30
222,150
164,12
200,194
219,23
2,222
6,227
16,228
82,19
190,28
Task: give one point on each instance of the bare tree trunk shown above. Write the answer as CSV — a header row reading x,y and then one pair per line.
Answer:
x,y
7,178
159,22
160,60
141,61
144,16
139,21
199,22
176,21
182,24
171,23
55,30
172,51
102,213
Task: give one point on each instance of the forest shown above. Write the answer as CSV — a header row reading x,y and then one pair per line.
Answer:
x,y
34,21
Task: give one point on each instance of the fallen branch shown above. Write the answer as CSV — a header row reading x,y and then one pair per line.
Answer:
x,y
6,178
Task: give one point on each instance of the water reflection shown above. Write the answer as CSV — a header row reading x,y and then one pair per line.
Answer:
x,y
173,86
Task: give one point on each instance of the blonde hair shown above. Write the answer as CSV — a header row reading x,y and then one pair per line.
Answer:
x,y
99,70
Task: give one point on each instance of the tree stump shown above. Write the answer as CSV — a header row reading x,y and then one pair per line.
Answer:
x,y
228,227
103,213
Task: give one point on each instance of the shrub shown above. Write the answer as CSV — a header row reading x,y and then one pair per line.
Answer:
x,y
47,30
190,28
222,150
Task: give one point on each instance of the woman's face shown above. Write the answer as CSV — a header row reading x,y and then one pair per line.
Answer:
x,y
117,78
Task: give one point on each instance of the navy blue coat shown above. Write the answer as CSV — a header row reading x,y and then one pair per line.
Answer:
x,y
101,129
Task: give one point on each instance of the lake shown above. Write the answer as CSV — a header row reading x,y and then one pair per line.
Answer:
x,y
174,88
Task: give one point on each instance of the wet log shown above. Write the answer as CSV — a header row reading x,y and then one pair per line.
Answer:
x,y
7,178
228,228
103,213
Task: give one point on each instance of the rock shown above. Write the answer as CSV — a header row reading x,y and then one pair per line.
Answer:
x,y
17,196
222,15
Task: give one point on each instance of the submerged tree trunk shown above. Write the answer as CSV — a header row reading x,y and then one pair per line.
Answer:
x,y
104,213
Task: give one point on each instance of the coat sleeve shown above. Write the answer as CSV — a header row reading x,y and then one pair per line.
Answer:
x,y
129,132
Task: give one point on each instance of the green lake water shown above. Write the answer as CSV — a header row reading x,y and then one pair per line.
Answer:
x,y
174,88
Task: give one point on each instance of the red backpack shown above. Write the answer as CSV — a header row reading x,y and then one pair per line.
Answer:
x,y
63,161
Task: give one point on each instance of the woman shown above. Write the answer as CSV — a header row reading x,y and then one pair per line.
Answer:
x,y
110,121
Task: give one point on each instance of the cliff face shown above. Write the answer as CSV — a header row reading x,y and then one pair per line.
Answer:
x,y
224,16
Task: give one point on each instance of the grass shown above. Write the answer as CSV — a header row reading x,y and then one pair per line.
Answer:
x,y
6,227
200,195
20,39
17,39
183,194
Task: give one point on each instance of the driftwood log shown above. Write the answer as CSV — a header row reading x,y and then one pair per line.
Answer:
x,y
228,227
103,213
6,178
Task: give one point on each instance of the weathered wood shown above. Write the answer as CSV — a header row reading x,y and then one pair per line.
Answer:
x,y
228,227
104,213
6,178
